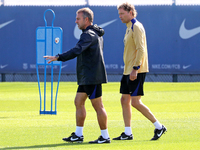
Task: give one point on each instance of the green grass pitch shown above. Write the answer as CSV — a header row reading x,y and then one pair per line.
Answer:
x,y
176,105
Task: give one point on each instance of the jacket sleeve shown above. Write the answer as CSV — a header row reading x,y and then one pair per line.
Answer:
x,y
82,45
139,43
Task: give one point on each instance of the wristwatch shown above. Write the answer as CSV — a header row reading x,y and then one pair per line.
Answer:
x,y
136,67
57,56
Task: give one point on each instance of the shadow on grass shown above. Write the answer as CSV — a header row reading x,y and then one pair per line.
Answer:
x,y
45,146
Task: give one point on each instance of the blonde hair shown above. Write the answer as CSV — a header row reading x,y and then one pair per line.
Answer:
x,y
128,7
87,12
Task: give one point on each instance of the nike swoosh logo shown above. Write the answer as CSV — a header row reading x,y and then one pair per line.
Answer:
x,y
185,67
6,23
102,141
3,66
185,33
72,139
107,23
160,133
77,31
124,138
63,66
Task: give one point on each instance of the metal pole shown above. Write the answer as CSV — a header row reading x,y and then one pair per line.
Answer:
x,y
3,77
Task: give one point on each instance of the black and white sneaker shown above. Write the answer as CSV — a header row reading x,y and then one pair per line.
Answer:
x,y
100,140
123,136
74,138
159,133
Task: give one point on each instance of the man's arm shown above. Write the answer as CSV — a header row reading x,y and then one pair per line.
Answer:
x,y
139,43
139,40
82,45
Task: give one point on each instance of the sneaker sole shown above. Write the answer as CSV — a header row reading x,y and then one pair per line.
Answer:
x,y
74,141
79,142
100,143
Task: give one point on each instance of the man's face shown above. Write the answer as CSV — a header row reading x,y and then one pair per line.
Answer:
x,y
125,16
80,21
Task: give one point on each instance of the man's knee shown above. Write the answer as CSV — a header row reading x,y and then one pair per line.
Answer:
x,y
136,101
125,100
77,103
97,103
80,99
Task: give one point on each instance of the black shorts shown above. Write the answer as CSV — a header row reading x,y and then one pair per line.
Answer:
x,y
134,88
93,91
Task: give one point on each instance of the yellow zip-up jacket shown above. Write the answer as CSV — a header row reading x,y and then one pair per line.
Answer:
x,y
135,48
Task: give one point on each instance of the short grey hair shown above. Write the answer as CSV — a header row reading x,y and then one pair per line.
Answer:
x,y
87,12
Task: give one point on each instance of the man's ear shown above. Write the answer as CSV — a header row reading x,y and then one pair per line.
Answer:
x,y
131,12
87,19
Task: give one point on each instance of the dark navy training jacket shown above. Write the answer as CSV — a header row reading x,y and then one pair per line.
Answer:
x,y
90,65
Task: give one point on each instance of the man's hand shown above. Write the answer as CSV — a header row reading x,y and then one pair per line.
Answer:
x,y
133,75
50,58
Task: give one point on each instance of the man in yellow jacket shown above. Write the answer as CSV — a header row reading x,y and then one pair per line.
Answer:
x,y
135,69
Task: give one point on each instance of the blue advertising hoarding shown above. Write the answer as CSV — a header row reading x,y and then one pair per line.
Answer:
x,y
173,37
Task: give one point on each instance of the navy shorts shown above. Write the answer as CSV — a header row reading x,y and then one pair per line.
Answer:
x,y
134,88
93,91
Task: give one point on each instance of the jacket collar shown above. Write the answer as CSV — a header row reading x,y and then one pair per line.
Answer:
x,y
131,23
88,27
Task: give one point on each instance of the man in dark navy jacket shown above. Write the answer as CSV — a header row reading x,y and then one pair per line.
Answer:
x,y
91,74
